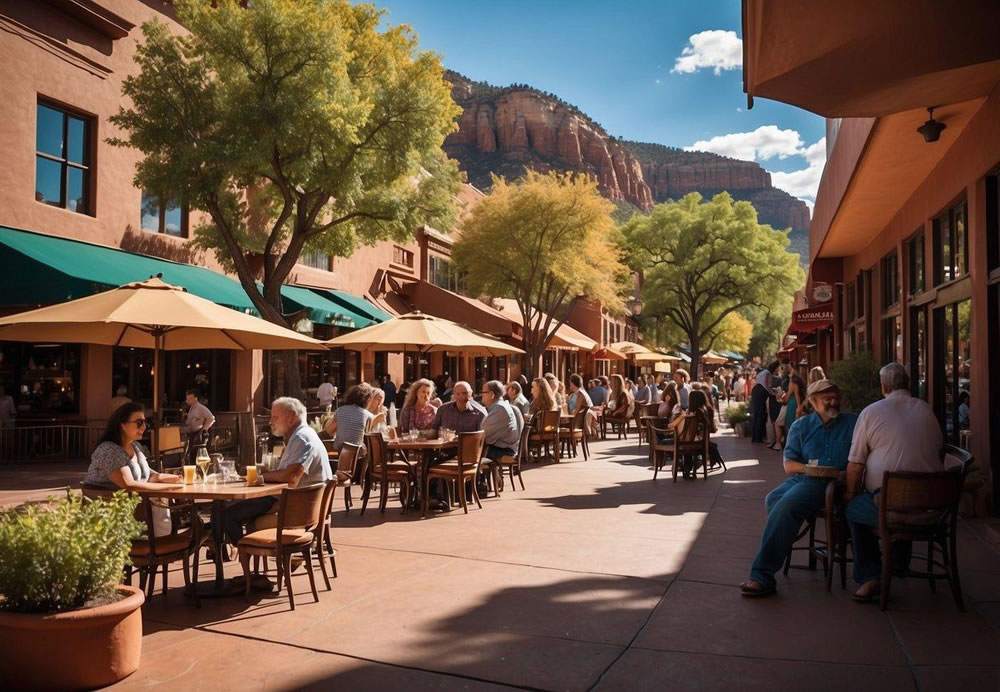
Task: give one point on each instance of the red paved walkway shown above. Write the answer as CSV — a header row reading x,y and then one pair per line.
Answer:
x,y
595,577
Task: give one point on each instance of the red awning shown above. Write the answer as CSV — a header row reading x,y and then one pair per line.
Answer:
x,y
811,319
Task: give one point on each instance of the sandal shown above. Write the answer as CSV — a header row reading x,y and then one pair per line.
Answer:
x,y
760,591
867,597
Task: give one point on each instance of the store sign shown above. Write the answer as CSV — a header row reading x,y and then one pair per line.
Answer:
x,y
438,247
812,319
822,293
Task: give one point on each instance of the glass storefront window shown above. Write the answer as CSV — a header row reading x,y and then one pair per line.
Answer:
x,y
953,366
915,254
918,355
41,378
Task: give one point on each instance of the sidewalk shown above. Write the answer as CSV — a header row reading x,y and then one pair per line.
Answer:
x,y
595,577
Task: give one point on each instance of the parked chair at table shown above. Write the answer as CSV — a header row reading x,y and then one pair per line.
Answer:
x,y
546,434
642,412
831,549
382,470
350,470
661,442
461,471
575,433
299,525
513,463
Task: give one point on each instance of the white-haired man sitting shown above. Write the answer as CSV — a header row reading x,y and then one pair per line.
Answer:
x,y
304,462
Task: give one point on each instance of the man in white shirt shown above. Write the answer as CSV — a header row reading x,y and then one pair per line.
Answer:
x,y
326,392
898,433
198,418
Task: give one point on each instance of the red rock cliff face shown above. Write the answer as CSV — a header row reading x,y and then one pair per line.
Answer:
x,y
529,129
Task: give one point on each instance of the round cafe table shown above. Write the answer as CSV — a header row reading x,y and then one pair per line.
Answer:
x,y
426,449
220,494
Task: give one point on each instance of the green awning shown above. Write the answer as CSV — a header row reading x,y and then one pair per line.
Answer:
x,y
321,309
358,305
44,269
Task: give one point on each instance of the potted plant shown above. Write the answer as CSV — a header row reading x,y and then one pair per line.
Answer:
x,y
66,622
738,417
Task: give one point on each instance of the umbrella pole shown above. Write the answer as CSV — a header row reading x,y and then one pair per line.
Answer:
x,y
157,343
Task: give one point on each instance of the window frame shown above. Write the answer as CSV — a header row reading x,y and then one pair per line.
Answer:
x,y
90,156
957,244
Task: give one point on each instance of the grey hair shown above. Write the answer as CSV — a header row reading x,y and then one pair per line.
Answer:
x,y
893,377
515,385
462,383
495,386
292,405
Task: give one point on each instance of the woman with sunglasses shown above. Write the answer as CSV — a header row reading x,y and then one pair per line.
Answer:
x,y
119,461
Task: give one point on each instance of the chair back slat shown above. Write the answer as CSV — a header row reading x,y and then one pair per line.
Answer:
x,y
170,438
326,504
913,492
347,461
299,508
579,418
522,447
376,452
470,448
547,421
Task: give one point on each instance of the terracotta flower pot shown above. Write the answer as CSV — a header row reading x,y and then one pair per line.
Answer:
x,y
77,649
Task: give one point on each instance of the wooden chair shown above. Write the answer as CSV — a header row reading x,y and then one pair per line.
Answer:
x,y
299,520
350,469
461,471
150,554
381,469
619,424
828,551
575,433
323,543
546,433
375,421
641,412
171,442
692,442
513,464
915,506
658,451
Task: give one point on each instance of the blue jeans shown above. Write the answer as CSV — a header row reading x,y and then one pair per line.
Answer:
x,y
788,505
862,518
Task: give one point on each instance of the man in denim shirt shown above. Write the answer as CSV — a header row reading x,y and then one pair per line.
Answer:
x,y
825,436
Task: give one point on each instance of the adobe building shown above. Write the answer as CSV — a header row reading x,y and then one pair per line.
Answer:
x,y
905,240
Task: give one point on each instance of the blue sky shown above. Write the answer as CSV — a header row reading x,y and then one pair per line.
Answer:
x,y
645,70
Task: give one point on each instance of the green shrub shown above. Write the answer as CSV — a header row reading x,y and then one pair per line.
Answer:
x,y
857,377
737,413
61,555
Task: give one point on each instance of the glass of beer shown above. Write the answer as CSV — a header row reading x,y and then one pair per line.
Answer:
x,y
251,474
189,474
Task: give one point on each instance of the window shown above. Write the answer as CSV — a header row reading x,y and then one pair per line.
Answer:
x,y
951,244
918,351
402,256
316,259
162,215
890,280
993,222
915,259
851,301
63,159
441,273
952,366
892,340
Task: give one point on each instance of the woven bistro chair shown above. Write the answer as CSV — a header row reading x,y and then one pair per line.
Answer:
x,y
462,470
299,520
382,470
546,434
659,451
575,433
150,554
916,506
690,444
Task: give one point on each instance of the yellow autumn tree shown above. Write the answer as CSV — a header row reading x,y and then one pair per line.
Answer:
x,y
734,333
546,241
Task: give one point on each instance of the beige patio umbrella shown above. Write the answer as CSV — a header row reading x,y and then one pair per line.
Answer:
x,y
638,352
423,333
150,314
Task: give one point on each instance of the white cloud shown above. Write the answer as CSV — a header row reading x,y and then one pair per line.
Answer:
x,y
766,142
716,49
804,183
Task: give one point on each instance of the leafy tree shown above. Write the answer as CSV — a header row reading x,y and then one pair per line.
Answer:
x,y
704,261
294,125
733,333
769,324
545,241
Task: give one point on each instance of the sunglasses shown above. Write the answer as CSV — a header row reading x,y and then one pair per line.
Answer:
x,y
139,423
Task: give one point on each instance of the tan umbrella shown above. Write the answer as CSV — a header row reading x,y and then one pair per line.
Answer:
x,y
638,352
417,331
150,314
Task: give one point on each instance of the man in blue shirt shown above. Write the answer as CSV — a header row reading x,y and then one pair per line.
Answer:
x,y
824,438
599,394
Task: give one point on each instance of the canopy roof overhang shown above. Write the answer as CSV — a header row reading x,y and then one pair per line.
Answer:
x,y
434,300
857,58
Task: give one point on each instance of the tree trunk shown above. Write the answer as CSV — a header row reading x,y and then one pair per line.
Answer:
x,y
695,345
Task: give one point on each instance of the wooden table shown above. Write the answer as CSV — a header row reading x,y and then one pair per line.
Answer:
x,y
219,494
426,449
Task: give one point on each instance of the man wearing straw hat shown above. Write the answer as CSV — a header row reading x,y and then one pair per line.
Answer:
x,y
823,438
